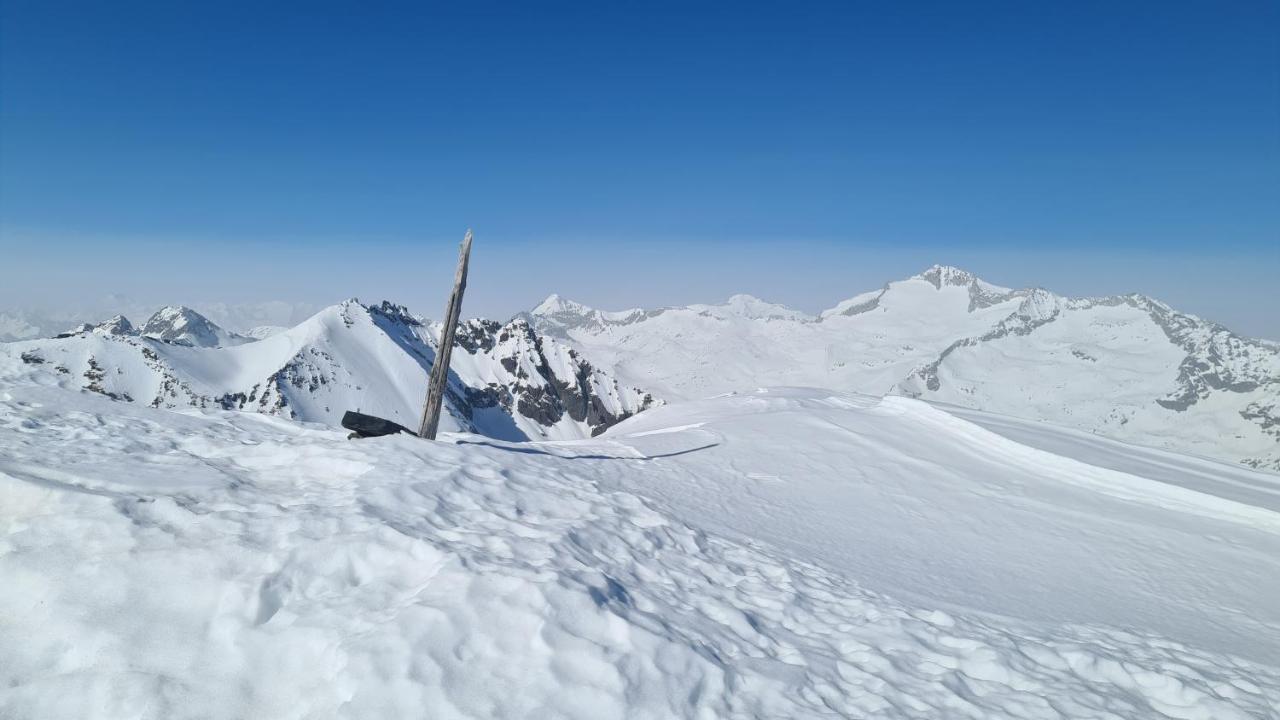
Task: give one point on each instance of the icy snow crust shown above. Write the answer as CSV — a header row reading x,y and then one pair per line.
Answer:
x,y
779,553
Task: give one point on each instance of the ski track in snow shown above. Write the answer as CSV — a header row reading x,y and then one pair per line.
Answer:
x,y
167,565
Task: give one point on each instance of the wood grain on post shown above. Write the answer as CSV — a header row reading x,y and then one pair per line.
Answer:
x,y
440,369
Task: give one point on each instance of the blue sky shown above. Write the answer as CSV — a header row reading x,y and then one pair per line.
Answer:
x,y
640,154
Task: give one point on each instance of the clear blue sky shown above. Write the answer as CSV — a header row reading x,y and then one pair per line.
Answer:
x,y
640,153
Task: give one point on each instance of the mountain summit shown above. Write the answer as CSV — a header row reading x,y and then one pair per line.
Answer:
x,y
183,326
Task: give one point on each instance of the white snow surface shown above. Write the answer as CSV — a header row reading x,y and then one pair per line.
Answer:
x,y
780,553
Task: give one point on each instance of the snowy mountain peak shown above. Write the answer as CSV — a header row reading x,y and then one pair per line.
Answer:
x,y
396,313
181,325
980,290
118,325
558,306
554,303
905,293
557,316
751,308
1040,304
940,275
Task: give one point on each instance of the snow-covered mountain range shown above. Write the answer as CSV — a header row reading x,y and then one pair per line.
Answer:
x,y
506,381
1125,366
252,319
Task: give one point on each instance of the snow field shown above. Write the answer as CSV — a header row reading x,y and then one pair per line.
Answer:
x,y
191,564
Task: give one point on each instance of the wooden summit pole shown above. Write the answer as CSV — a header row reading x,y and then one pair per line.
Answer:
x,y
440,369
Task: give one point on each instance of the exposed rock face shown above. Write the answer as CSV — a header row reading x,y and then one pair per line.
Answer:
x,y
550,381
1217,359
477,335
940,275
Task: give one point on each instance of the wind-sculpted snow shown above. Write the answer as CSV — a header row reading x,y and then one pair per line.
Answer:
x,y
1125,366
230,565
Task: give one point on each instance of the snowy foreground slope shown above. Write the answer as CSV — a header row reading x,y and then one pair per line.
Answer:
x,y
779,553
1126,366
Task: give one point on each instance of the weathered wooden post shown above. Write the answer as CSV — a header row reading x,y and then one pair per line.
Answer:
x,y
440,370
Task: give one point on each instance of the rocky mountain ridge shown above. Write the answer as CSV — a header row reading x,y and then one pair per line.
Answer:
x,y
506,381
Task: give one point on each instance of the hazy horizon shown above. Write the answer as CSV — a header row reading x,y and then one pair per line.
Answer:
x,y
508,278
